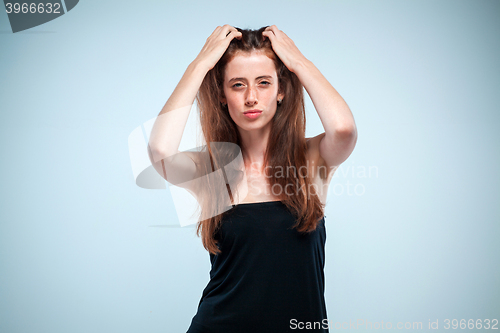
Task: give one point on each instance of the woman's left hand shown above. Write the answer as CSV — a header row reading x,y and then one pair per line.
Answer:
x,y
284,47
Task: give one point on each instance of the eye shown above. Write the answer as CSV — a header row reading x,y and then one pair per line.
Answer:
x,y
235,85
265,82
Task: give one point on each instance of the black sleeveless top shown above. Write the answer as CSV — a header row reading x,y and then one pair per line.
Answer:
x,y
268,278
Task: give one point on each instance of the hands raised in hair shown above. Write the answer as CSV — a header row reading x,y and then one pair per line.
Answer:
x,y
284,47
217,44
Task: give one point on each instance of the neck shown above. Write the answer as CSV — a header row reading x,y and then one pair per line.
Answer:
x,y
254,145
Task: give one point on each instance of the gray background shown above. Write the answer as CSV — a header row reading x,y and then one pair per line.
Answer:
x,y
77,250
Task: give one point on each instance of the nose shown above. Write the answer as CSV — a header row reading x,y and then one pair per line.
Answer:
x,y
251,97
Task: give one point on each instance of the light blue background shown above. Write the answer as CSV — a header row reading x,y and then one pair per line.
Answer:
x,y
422,78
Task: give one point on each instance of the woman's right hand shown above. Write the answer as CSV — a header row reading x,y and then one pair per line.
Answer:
x,y
216,45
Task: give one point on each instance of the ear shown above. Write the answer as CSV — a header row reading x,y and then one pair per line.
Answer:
x,y
223,100
281,96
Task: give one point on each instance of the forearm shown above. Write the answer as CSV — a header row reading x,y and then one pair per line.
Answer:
x,y
333,111
169,126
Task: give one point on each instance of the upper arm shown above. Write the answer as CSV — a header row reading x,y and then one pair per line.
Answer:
x,y
179,169
335,149
323,170
328,153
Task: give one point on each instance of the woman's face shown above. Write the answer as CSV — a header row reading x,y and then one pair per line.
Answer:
x,y
251,83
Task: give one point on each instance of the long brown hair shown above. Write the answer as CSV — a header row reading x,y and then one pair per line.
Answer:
x,y
286,148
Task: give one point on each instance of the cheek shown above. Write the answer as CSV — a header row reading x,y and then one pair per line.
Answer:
x,y
232,98
271,95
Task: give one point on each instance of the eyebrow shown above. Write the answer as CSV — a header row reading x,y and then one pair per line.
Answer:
x,y
244,79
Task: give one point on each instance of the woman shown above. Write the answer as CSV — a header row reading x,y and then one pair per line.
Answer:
x,y
267,252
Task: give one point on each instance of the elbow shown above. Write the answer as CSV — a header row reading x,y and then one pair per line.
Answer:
x,y
346,137
151,154
156,154
347,132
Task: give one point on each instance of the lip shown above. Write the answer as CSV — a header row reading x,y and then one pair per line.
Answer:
x,y
252,111
252,114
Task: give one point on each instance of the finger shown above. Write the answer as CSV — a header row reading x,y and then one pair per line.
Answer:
x,y
223,30
234,33
216,31
273,28
227,29
268,29
269,34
